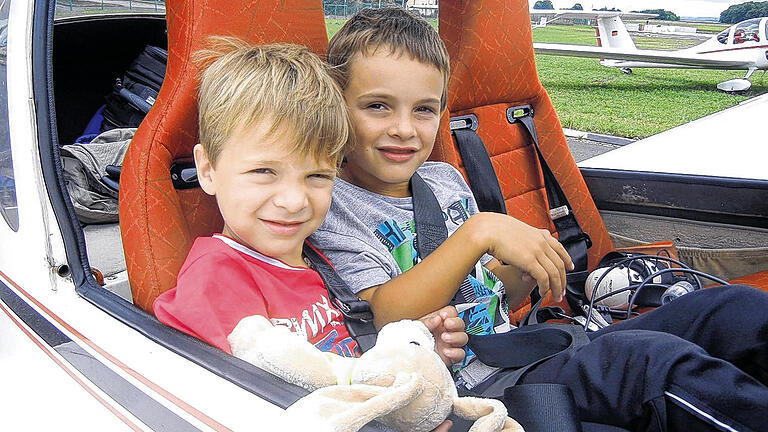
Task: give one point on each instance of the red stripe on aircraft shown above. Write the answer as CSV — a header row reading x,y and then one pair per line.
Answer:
x,y
734,49
61,364
181,404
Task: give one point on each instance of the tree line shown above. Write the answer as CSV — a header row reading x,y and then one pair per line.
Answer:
x,y
662,14
743,11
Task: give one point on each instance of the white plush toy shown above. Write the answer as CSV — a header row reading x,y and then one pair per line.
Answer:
x,y
401,381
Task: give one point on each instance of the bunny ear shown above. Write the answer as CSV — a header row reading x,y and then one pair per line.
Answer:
x,y
347,408
490,415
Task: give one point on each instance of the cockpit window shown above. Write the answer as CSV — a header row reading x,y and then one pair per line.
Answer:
x,y
722,37
747,31
7,184
65,8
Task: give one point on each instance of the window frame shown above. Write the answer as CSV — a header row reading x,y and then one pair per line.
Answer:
x,y
8,198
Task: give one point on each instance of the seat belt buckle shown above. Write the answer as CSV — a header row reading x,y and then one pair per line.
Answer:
x,y
518,112
362,313
463,122
559,212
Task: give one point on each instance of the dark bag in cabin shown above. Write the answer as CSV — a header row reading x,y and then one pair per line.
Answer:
x,y
134,94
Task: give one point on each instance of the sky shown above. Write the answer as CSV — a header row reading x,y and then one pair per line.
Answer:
x,y
695,8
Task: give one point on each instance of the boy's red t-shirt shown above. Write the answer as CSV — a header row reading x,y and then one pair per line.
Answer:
x,y
222,282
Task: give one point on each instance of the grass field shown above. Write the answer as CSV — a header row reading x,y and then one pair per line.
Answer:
x,y
598,99
594,98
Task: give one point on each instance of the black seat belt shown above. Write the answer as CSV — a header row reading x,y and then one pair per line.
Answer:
x,y
547,404
480,174
570,234
358,316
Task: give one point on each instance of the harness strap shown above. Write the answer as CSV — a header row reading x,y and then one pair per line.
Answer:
x,y
513,352
358,317
541,407
482,178
431,231
570,234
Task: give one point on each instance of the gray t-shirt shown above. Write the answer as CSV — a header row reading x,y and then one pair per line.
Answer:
x,y
369,239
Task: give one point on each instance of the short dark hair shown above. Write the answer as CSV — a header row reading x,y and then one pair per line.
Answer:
x,y
392,28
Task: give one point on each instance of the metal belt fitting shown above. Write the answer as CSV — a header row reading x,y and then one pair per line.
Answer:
x,y
463,122
559,212
476,372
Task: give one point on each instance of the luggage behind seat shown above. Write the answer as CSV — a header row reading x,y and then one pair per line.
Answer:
x,y
158,222
492,69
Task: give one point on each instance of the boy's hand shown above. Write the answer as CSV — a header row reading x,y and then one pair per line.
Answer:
x,y
448,331
532,250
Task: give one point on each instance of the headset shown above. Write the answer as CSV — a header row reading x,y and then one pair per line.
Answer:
x,y
644,273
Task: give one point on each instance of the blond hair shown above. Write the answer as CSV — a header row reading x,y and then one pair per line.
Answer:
x,y
393,28
242,84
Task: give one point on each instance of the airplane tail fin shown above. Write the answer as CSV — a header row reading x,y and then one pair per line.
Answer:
x,y
612,33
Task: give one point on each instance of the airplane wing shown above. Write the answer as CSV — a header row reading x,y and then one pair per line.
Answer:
x,y
646,56
567,13
701,147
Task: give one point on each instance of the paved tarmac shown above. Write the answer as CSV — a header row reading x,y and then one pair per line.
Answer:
x,y
585,145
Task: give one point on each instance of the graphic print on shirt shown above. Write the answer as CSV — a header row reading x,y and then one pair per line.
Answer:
x,y
479,299
313,322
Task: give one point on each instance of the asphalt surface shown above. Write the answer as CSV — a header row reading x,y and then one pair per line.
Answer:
x,y
586,145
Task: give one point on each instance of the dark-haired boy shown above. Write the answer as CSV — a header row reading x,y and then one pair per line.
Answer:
x,y
642,374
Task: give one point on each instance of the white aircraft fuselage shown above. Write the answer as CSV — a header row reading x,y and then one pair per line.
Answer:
x,y
741,46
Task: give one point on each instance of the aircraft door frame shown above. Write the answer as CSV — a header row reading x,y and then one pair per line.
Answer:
x,y
32,252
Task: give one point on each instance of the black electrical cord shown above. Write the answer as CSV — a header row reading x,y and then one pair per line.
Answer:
x,y
628,261
645,281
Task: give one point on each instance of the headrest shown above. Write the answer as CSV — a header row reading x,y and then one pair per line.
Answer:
x,y
159,223
491,51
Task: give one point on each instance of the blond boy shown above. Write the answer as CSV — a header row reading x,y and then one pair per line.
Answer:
x,y
273,127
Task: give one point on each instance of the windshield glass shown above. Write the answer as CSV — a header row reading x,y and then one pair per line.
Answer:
x,y
7,183
65,8
747,31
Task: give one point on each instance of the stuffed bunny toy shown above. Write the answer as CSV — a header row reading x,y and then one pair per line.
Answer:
x,y
401,381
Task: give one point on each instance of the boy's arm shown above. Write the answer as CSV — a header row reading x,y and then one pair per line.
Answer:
x,y
431,284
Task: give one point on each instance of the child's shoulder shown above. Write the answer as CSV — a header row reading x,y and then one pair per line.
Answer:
x,y
440,175
435,168
208,251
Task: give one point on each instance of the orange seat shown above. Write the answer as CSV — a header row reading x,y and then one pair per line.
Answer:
x,y
492,69
757,280
157,222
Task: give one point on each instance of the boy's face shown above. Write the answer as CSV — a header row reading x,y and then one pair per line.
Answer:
x,y
394,103
270,198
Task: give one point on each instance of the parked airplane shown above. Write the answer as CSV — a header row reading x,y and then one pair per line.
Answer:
x,y
741,46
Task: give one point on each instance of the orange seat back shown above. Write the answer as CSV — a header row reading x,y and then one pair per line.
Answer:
x,y
159,223
493,68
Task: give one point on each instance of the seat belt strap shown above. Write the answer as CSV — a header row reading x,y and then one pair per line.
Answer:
x,y
521,348
431,231
358,316
542,407
571,236
480,173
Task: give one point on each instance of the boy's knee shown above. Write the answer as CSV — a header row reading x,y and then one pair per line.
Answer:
x,y
649,348
738,299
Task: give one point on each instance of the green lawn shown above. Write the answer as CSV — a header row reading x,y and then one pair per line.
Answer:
x,y
594,98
